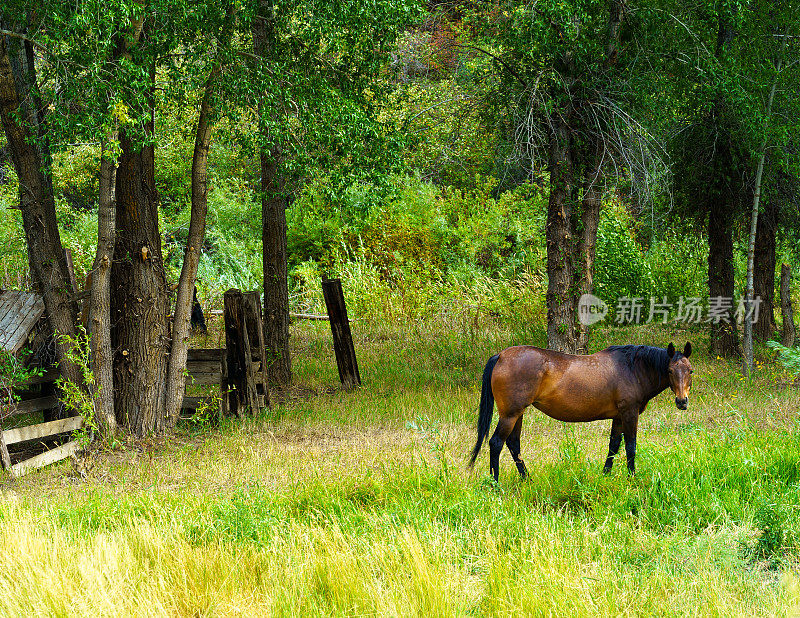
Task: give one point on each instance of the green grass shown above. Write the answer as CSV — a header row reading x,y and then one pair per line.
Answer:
x,y
360,503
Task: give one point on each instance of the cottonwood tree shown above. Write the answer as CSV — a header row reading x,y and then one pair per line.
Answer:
x,y
569,67
724,64
313,83
197,222
762,153
149,352
774,75
778,218
24,120
107,66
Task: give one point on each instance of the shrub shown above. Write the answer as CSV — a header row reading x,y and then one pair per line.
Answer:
x,y
75,174
678,265
620,268
788,357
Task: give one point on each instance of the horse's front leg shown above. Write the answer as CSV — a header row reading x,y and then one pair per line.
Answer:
x,y
630,425
613,443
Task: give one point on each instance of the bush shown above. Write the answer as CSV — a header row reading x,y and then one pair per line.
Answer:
x,y
678,266
75,174
620,267
672,267
788,357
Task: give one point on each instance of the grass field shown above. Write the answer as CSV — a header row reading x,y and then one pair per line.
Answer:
x,y
360,503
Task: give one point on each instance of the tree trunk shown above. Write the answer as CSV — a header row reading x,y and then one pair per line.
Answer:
x,y
747,367
587,239
276,277
724,334
99,323
273,220
176,382
786,307
139,309
23,123
561,308
575,163
764,270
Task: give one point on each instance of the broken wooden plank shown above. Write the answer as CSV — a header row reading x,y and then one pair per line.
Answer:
x,y
192,403
204,378
295,316
8,312
34,405
21,306
7,299
42,430
308,316
28,315
19,312
45,459
195,366
205,354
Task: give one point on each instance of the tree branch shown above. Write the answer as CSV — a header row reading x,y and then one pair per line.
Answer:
x,y
506,66
17,35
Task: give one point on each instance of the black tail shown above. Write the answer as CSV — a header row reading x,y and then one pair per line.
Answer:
x,y
486,408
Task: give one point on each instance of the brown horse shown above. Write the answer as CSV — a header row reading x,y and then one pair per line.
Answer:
x,y
616,383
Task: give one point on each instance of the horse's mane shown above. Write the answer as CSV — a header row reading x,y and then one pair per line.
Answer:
x,y
627,355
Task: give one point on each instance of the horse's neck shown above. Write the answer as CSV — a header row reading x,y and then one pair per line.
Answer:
x,y
659,382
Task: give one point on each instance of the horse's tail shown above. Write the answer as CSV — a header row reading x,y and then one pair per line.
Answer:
x,y
486,408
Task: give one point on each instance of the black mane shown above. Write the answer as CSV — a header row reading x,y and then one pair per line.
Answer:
x,y
627,355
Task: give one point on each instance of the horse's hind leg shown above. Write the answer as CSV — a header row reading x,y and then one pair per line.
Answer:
x,y
613,444
513,445
504,428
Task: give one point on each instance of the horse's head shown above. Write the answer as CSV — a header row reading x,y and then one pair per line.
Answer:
x,y
680,374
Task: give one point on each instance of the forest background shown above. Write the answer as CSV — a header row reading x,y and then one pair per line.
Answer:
x,y
447,159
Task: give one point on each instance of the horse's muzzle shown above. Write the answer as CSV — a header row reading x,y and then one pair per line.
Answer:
x,y
682,403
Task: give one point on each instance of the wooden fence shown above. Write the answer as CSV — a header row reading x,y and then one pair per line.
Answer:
x,y
238,369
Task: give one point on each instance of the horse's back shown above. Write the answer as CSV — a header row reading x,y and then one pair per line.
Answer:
x,y
567,387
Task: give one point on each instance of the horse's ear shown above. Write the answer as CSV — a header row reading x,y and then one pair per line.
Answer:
x,y
671,350
687,350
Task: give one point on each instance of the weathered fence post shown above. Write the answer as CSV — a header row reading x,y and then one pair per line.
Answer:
x,y
224,382
240,389
5,458
243,334
342,338
255,333
71,272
